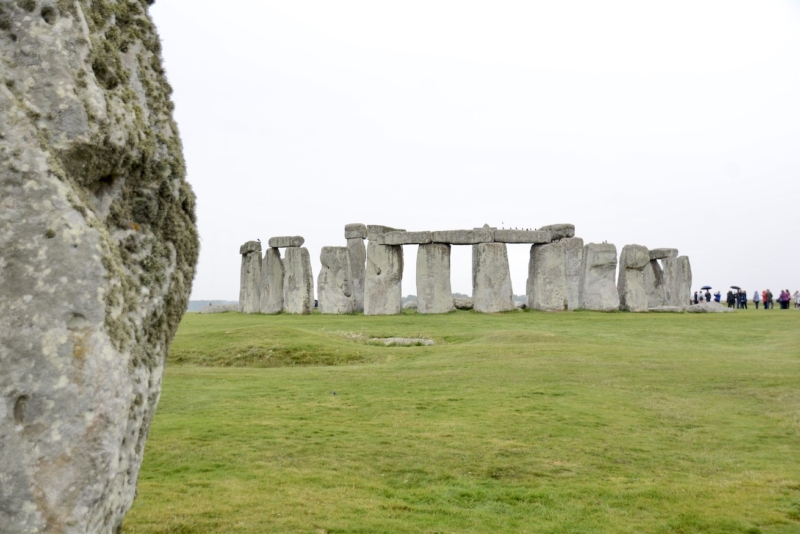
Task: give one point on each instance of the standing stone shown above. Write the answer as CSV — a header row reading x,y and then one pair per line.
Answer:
x,y
433,279
272,274
491,278
98,247
335,283
598,292
684,281
250,278
573,255
384,278
298,286
672,288
632,294
654,285
358,261
547,278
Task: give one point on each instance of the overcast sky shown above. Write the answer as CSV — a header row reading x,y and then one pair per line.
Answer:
x,y
665,124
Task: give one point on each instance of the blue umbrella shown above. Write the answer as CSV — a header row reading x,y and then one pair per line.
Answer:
x,y
706,287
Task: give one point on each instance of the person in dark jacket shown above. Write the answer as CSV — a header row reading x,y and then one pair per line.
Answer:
x,y
731,299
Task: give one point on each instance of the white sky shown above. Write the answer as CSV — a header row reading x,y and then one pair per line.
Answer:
x,y
666,124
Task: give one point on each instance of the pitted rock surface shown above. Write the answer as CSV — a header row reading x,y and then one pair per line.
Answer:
x,y
250,278
335,281
434,294
630,285
98,248
272,275
598,291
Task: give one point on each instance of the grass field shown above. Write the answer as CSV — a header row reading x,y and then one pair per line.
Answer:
x,y
520,422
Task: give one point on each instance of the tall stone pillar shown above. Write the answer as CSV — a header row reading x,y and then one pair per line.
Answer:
x,y
298,288
672,282
272,273
384,274
632,294
433,279
335,281
547,278
653,276
355,235
684,281
491,278
573,253
250,278
598,291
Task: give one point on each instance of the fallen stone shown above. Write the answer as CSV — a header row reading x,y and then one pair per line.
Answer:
x,y
355,231
334,283
433,279
272,275
286,241
630,286
463,303
573,256
654,285
666,309
375,230
298,285
598,291
661,253
522,236
463,237
708,307
358,261
410,305
250,278
684,281
547,278
491,290
384,278
403,341
220,308
559,231
520,305
404,238
98,247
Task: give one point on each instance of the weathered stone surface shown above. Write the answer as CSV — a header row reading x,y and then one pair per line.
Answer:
x,y
384,277
573,256
684,281
463,237
672,287
630,286
598,292
220,308
559,231
375,230
708,307
286,241
410,305
272,276
404,238
433,279
547,278
334,283
97,254
358,265
520,305
491,290
250,278
666,309
298,284
522,236
654,285
463,303
355,230
661,253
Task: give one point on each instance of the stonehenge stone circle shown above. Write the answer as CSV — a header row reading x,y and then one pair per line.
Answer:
x,y
272,275
286,241
573,255
384,276
632,294
491,278
250,278
334,283
358,265
98,248
298,285
598,291
547,278
355,230
559,231
433,279
653,276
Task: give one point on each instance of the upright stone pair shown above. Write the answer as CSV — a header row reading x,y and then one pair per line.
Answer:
x,y
667,279
554,274
272,285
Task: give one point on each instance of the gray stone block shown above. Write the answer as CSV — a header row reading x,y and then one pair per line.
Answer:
x,y
672,289
684,281
463,303
375,230
654,285
334,283
272,275
298,285
559,231
384,278
547,278
463,237
404,238
491,290
250,246
598,290
358,263
433,279
250,278
355,230
661,253
531,237
573,254
286,241
632,294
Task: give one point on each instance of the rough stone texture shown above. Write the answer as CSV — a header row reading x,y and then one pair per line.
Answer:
x,y
559,231
522,236
666,309
520,305
463,237
286,241
708,307
355,230
220,308
661,253
684,281
491,278
672,288
573,257
97,253
632,293
272,276
547,278
404,238
410,305
434,294
250,278
358,263
463,303
654,284
298,285
598,292
375,230
383,285
335,281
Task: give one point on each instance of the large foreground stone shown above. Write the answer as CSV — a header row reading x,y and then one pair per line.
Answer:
x,y
632,294
97,253
433,279
547,278
358,263
272,276
684,281
334,283
383,285
653,276
598,292
298,285
250,278
491,278
573,255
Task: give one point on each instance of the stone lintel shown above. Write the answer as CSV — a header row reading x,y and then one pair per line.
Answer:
x,y
404,238
531,237
250,246
354,230
375,230
286,241
559,231
661,253
463,237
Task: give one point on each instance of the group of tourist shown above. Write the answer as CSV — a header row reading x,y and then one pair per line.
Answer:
x,y
738,299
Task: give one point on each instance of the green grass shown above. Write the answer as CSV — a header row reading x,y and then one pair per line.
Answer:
x,y
519,422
